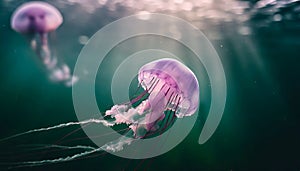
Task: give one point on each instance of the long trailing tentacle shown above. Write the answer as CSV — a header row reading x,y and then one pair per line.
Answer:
x,y
52,161
112,146
104,122
47,146
118,145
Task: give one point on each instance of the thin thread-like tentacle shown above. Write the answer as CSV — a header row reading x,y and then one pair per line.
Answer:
x,y
104,122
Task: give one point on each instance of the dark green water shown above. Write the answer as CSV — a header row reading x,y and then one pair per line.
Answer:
x,y
260,126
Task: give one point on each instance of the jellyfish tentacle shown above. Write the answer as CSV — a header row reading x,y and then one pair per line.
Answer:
x,y
59,72
45,53
173,115
118,145
154,86
168,91
138,97
157,103
53,161
44,39
171,98
154,79
104,122
47,146
33,44
148,89
167,124
113,146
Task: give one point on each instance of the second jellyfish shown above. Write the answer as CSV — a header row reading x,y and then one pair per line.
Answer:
x,y
35,20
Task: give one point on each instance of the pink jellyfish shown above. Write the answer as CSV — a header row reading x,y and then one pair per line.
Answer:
x,y
171,91
37,19
170,86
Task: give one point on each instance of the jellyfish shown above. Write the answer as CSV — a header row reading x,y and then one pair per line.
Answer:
x,y
36,20
170,91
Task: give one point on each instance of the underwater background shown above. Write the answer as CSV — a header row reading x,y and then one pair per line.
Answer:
x,y
258,43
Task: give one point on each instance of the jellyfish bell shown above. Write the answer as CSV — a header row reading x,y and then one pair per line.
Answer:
x,y
37,19
175,79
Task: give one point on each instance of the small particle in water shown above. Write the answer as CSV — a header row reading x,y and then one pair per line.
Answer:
x,y
83,39
277,17
244,30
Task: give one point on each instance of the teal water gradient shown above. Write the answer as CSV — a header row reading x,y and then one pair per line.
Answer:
x,y
259,129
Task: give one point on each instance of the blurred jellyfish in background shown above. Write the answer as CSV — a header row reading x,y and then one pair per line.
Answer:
x,y
36,20
170,91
